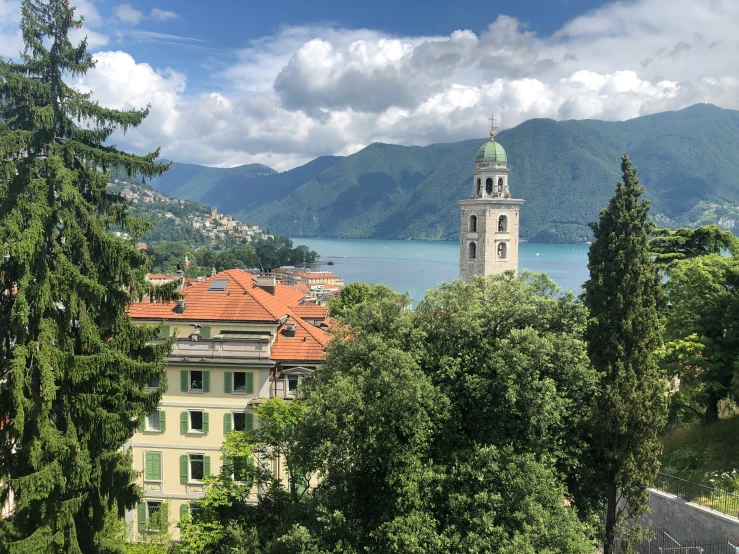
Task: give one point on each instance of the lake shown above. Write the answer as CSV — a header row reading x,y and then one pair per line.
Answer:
x,y
416,266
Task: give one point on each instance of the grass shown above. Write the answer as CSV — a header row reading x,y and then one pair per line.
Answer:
x,y
706,454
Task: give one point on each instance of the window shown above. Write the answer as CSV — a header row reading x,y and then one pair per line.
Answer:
x,y
154,383
193,468
489,185
473,224
153,466
502,247
479,187
500,185
152,516
239,381
472,251
196,422
292,383
241,467
152,422
197,467
152,507
239,421
196,381
502,224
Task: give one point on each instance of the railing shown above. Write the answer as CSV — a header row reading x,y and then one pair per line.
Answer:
x,y
662,541
716,498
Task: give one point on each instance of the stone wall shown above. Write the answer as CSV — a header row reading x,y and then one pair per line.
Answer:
x,y
686,520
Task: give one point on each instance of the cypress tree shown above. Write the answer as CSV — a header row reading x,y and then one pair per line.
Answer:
x,y
623,334
73,369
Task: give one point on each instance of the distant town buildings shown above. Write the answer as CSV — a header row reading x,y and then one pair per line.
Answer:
x,y
214,227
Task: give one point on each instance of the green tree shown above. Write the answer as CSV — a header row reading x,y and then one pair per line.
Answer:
x,y
73,368
671,246
623,335
702,330
357,293
225,520
452,428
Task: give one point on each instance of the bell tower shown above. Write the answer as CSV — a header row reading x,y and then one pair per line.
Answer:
x,y
488,233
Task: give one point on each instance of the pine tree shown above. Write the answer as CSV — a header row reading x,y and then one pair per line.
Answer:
x,y
623,334
73,369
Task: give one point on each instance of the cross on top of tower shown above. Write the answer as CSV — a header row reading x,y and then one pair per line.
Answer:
x,y
493,128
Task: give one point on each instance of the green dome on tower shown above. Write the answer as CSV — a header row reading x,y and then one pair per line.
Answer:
x,y
491,152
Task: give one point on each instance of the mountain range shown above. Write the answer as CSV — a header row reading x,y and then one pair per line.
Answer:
x,y
566,171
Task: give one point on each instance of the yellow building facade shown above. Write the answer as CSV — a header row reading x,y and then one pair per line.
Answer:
x,y
240,339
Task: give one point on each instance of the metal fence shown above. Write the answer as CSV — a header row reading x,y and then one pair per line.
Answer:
x,y
715,498
662,541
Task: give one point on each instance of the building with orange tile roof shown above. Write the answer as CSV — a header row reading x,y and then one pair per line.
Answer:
x,y
241,338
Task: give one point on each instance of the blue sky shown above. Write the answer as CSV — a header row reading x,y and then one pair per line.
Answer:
x,y
281,82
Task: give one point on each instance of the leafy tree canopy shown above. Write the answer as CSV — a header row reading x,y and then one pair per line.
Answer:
x,y
670,247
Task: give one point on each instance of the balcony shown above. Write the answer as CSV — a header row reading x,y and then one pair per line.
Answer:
x,y
253,347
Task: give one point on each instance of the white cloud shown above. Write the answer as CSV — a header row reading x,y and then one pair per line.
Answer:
x,y
312,90
162,15
128,14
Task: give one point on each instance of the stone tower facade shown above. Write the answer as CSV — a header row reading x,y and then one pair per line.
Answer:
x,y
488,233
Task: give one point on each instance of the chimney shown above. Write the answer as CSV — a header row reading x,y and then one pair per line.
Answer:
x,y
179,307
267,283
290,329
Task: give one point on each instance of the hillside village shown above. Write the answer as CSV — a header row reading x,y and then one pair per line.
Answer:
x,y
176,217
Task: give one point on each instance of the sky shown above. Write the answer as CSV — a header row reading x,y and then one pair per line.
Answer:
x,y
280,82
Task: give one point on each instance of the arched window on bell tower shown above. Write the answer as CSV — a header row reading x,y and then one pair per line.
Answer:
x,y
500,186
473,224
502,251
503,224
479,187
489,185
473,251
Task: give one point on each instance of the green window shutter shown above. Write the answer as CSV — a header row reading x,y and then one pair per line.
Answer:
x,y
227,382
184,509
142,517
249,422
206,423
206,466
249,382
156,465
162,421
183,380
206,381
184,424
205,332
164,511
227,423
147,466
183,469
142,424
164,331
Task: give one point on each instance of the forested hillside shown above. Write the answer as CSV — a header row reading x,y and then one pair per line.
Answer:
x,y
688,161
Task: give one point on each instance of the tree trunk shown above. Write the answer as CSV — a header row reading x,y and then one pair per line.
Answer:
x,y
609,542
712,408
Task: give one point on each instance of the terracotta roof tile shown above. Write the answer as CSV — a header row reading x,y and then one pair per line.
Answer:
x,y
307,311
242,300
